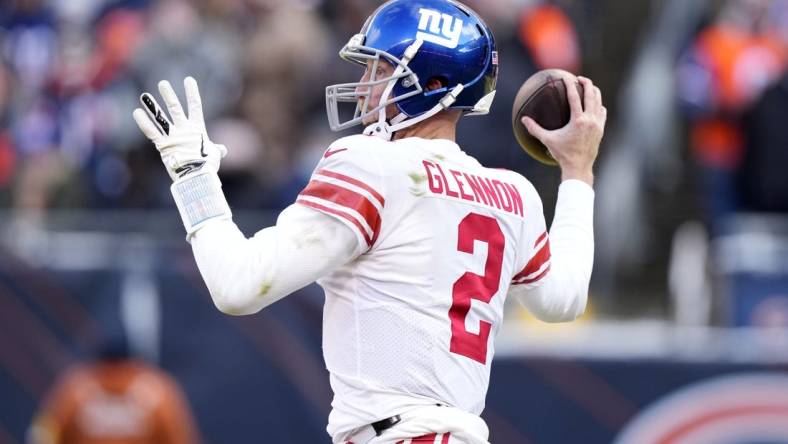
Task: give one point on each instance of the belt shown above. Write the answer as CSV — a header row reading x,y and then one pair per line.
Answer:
x,y
385,424
367,433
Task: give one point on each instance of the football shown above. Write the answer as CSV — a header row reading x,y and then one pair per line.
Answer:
x,y
542,98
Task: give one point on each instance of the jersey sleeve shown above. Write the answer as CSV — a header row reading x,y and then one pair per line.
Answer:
x,y
562,293
535,259
347,185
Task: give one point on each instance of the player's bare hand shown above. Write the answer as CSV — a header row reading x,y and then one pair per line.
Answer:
x,y
576,145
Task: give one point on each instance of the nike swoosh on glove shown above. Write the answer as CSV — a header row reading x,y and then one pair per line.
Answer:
x,y
182,142
192,160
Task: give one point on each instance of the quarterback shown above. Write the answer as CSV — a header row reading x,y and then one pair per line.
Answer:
x,y
415,243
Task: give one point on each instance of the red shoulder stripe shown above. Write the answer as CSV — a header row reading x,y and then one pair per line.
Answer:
x,y
355,182
348,199
338,213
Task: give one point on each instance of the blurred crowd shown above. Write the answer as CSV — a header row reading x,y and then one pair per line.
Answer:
x,y
733,90
698,95
71,72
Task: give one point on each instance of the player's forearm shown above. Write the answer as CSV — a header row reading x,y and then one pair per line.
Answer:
x,y
246,275
582,174
225,259
243,275
563,294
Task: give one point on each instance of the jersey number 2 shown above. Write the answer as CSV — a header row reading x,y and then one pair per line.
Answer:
x,y
472,286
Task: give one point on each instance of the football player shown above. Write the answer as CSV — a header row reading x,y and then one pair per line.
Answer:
x,y
414,242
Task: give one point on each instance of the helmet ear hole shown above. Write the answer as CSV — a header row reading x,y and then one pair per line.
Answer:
x,y
450,62
437,82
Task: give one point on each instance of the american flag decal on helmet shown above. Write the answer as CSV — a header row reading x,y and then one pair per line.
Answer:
x,y
495,58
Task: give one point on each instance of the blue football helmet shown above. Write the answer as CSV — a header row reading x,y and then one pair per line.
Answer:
x,y
422,40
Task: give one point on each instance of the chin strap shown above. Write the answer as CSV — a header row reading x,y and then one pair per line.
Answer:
x,y
385,130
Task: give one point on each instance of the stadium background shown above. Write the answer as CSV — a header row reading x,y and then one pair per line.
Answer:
x,y
691,280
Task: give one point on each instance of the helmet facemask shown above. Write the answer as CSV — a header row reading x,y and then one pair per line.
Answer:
x,y
456,48
360,93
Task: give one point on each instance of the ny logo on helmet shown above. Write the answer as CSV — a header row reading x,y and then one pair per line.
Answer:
x,y
441,29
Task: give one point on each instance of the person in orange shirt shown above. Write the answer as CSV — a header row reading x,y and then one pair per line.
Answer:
x,y
550,37
721,75
115,400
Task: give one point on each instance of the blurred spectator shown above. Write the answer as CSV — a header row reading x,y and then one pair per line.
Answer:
x,y
240,175
726,69
762,180
180,42
551,38
115,400
30,44
284,86
7,160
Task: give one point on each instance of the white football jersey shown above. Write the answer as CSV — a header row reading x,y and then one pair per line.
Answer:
x,y
412,319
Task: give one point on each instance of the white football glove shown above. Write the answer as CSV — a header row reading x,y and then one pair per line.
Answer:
x,y
182,142
190,157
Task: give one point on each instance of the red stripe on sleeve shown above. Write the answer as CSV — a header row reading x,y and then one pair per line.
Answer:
x,y
425,439
534,279
537,261
445,439
348,199
355,182
539,239
341,214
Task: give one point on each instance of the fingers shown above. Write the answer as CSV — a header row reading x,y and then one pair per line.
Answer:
x,y
592,95
155,114
154,123
535,129
593,98
575,106
193,101
589,93
146,125
602,110
172,102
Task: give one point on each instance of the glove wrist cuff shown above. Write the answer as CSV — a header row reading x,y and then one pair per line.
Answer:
x,y
200,199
